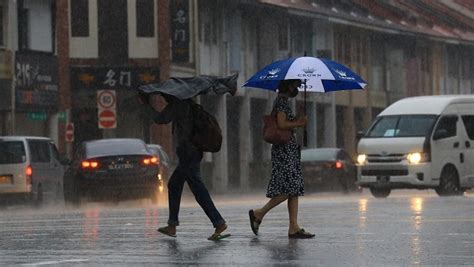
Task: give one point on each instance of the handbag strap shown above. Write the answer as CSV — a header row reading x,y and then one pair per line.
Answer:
x,y
274,111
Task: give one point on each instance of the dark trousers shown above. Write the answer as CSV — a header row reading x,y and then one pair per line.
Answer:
x,y
189,170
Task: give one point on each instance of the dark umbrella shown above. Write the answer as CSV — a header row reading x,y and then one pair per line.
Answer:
x,y
184,88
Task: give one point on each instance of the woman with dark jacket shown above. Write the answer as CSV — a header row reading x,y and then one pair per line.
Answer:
x,y
286,181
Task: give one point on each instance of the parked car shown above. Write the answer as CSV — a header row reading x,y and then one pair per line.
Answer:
x,y
30,168
164,163
328,169
420,142
112,169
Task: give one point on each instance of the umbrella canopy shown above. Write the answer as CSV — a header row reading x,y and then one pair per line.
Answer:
x,y
321,75
184,88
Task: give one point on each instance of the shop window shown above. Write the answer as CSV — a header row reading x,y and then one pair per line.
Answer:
x,y
298,40
145,18
23,28
377,60
283,32
80,18
1,26
211,26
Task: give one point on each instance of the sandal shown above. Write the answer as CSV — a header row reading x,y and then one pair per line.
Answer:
x,y
254,223
301,234
165,230
217,237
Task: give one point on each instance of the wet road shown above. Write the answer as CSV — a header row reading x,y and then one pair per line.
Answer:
x,y
408,228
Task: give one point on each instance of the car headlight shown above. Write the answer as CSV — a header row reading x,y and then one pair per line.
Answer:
x,y
415,158
361,158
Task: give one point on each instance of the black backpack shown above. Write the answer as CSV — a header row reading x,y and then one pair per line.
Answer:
x,y
206,135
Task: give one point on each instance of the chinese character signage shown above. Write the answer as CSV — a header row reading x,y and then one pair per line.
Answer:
x,y
6,76
180,30
36,82
117,78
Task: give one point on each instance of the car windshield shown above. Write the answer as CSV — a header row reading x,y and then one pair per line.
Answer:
x,y
318,154
402,126
12,152
115,147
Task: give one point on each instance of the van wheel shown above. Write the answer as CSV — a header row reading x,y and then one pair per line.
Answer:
x,y
449,183
380,192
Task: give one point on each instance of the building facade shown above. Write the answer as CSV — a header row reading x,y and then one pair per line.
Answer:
x,y
88,49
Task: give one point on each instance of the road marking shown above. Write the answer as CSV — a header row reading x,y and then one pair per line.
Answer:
x,y
453,256
55,262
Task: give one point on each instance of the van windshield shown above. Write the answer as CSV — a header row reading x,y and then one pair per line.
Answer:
x,y
12,152
402,126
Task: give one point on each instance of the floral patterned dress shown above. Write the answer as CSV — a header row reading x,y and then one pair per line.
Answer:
x,y
287,177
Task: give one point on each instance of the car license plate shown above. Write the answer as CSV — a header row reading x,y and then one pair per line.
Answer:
x,y
6,179
120,166
383,179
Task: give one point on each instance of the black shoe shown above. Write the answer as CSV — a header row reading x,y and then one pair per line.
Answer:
x,y
301,234
254,223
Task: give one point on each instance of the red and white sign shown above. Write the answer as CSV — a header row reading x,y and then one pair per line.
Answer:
x,y
69,132
106,99
107,119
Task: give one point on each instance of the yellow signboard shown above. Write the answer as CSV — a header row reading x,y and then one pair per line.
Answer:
x,y
6,64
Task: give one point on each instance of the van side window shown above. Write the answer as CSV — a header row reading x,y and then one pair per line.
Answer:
x,y
448,126
40,151
469,125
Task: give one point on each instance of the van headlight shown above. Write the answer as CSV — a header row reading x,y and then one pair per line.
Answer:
x,y
361,158
415,158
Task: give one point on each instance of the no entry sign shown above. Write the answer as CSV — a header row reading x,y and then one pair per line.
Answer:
x,y
69,132
107,119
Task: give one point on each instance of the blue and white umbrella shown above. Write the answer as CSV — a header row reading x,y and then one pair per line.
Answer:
x,y
321,75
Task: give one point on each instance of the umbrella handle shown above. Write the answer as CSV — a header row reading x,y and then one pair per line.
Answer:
x,y
305,137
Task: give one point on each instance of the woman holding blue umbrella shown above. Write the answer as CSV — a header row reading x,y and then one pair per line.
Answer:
x,y
286,182
319,75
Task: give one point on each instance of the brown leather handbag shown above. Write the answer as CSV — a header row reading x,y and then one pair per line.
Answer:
x,y
271,133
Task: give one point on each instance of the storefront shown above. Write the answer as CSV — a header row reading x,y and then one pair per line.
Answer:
x,y
36,93
5,92
121,85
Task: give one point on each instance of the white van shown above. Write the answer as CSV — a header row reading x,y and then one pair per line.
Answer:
x,y
420,142
29,167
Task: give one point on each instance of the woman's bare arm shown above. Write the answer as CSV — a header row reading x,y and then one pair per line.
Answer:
x,y
285,124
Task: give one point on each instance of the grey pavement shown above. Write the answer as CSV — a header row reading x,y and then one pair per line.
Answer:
x,y
408,228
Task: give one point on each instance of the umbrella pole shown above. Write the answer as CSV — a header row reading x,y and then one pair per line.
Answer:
x,y
305,133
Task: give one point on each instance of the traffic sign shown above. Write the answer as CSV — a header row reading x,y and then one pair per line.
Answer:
x,y
107,119
37,116
69,132
62,116
106,99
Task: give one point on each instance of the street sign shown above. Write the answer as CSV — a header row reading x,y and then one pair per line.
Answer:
x,y
107,119
106,99
37,116
69,132
62,116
